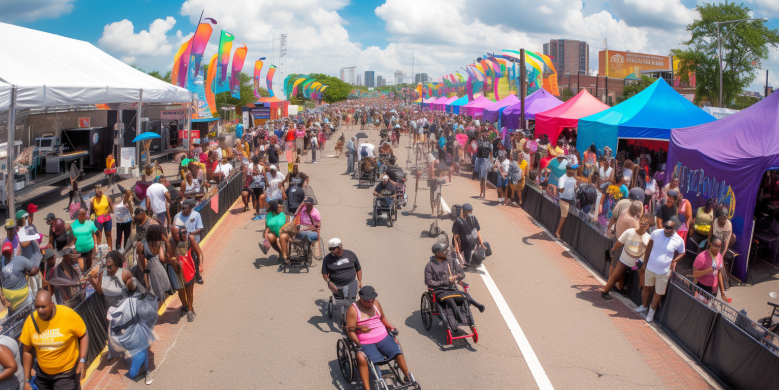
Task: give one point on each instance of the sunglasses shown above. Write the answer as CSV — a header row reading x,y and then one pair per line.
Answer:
x,y
668,227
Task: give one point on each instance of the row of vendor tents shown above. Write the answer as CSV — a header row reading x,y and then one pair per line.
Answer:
x,y
720,154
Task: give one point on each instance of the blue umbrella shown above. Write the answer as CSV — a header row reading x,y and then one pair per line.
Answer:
x,y
146,135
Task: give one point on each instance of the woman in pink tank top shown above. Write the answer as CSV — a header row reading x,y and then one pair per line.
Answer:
x,y
367,327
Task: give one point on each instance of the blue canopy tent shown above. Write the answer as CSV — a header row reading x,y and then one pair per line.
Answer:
x,y
650,115
454,107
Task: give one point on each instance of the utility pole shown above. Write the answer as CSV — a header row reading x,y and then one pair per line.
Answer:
x,y
765,94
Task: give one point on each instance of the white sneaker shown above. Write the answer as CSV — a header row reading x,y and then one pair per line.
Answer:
x,y
641,309
650,315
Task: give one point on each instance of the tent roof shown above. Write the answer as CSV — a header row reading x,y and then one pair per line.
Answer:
x,y
460,102
539,101
481,102
51,70
430,99
651,114
748,134
451,99
492,112
719,112
440,100
551,122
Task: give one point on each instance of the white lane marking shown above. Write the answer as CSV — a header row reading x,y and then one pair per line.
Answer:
x,y
524,345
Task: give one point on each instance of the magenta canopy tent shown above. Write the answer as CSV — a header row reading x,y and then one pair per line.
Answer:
x,y
426,102
476,107
492,112
443,105
438,103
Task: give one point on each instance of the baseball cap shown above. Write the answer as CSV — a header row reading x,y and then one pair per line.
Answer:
x,y
368,293
21,214
636,193
309,200
467,207
50,217
273,167
8,248
10,224
31,208
334,243
673,193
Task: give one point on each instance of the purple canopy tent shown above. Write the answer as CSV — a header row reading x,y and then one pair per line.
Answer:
x,y
476,107
538,101
726,160
492,112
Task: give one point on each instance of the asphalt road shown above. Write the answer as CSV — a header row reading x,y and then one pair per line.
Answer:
x,y
258,327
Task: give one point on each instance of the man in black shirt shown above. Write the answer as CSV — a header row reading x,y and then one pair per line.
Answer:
x,y
298,178
483,161
341,268
466,234
384,188
666,211
272,151
295,196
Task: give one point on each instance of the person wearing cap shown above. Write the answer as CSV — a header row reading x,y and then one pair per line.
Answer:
x,y
15,269
19,248
466,234
193,222
367,326
557,168
31,210
341,269
442,274
310,220
275,184
385,188
57,337
57,232
295,197
566,187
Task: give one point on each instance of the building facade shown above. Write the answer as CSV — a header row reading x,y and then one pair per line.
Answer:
x,y
380,81
359,80
622,64
399,77
568,56
369,79
421,78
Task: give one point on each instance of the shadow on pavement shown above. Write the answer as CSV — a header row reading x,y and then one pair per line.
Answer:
x,y
541,236
269,261
436,334
338,379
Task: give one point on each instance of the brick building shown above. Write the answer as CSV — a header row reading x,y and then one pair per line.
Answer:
x,y
568,56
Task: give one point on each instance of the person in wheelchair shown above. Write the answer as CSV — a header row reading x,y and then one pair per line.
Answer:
x,y
310,221
442,275
367,327
385,188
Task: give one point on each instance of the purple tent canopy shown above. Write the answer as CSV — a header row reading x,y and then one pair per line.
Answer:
x,y
725,160
492,112
538,101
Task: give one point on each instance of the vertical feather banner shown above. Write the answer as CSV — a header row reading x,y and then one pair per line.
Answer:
x,y
199,42
209,82
235,83
178,76
256,78
269,79
225,47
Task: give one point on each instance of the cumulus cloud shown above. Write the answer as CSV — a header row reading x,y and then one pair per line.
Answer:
x,y
32,10
661,14
120,37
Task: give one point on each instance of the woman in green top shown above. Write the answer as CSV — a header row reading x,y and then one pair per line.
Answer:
x,y
273,223
84,230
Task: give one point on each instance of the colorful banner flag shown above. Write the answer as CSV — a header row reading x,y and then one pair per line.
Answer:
x,y
199,42
178,76
225,47
269,79
235,83
256,78
210,99
201,101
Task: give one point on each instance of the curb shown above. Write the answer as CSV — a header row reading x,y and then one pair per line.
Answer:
x,y
99,359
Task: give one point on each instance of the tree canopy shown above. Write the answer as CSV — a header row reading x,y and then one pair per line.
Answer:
x,y
744,46
635,87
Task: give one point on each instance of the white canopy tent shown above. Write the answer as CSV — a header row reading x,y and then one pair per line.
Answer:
x,y
39,70
719,112
50,70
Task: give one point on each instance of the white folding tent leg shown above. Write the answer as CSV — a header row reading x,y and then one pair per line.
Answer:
x,y
9,170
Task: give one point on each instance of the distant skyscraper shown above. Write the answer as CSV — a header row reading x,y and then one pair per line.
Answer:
x,y
421,78
359,79
369,79
398,77
568,56
380,81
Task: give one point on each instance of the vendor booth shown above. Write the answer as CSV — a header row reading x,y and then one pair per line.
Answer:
x,y
437,105
719,112
454,107
442,106
426,103
726,160
567,115
476,107
493,111
539,101
650,115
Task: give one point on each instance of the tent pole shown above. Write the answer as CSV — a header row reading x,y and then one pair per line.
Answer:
x,y
522,88
9,165
189,121
138,130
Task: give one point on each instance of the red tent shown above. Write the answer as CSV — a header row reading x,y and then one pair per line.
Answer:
x,y
553,122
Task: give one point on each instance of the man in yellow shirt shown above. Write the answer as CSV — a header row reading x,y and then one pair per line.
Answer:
x,y
59,337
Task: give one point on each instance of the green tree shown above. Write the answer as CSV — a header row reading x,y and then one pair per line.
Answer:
x,y
743,102
156,74
635,87
225,99
744,45
566,94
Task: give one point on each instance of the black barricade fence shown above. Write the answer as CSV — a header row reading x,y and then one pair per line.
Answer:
x,y
632,284
686,319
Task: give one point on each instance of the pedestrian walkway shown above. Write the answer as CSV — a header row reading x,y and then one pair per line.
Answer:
x,y
169,325
673,368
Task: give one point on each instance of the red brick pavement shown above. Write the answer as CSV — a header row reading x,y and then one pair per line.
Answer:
x,y
113,376
670,367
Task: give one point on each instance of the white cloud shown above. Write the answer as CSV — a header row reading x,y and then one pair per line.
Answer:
x,y
32,10
128,59
120,37
768,7
663,14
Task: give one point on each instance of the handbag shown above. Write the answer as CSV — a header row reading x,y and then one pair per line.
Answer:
x,y
187,266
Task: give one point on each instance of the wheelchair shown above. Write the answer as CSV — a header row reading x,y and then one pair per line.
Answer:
x,y
301,252
430,307
367,168
385,205
339,303
347,362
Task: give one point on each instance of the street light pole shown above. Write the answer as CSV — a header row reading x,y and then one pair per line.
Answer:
x,y
719,48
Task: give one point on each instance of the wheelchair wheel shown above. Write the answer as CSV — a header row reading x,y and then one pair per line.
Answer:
x,y
390,220
319,251
426,310
330,308
475,334
345,362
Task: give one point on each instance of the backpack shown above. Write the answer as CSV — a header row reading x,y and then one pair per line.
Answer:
x,y
586,195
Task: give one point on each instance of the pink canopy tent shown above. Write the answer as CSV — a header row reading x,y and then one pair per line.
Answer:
x,y
426,103
476,107
442,106
553,122
438,104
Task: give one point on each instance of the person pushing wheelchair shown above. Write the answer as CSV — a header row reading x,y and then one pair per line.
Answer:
x,y
442,275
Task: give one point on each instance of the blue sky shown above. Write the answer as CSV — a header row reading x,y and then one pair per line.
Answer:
x,y
379,35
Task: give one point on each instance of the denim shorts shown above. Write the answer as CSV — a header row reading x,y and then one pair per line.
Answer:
x,y
482,164
502,182
312,235
386,349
